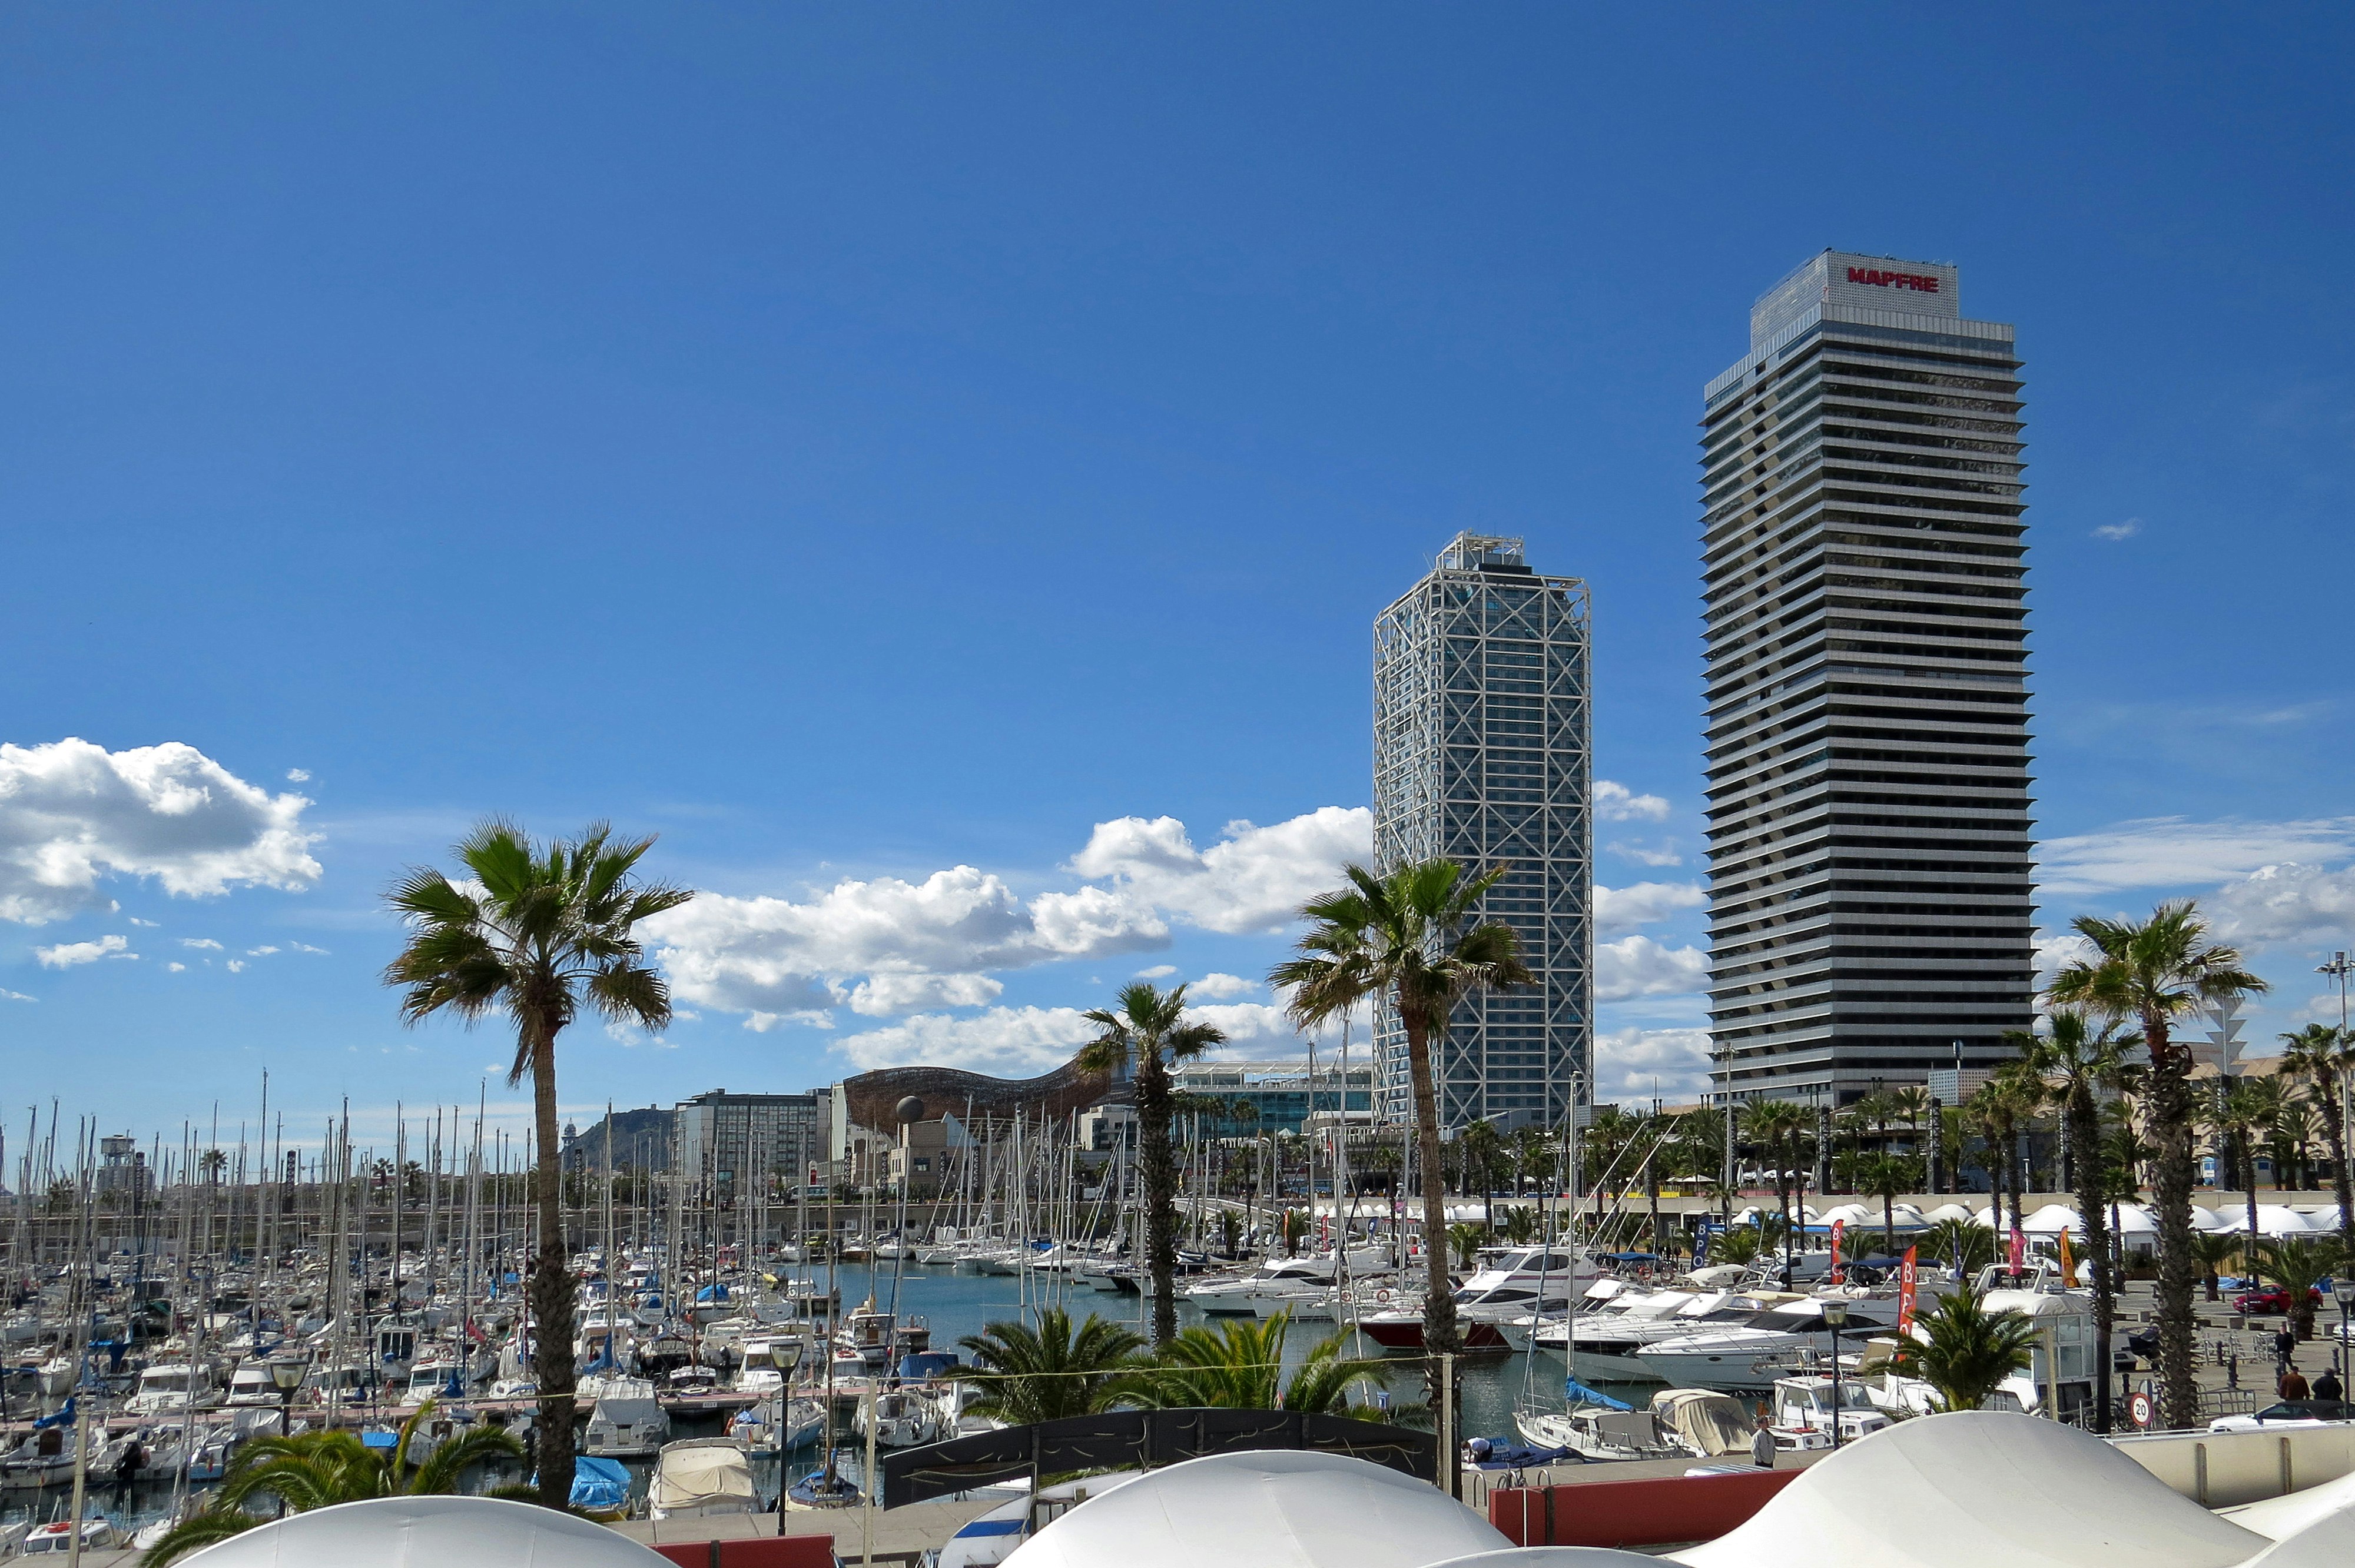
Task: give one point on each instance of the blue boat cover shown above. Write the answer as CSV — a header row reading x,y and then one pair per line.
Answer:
x,y
601,1486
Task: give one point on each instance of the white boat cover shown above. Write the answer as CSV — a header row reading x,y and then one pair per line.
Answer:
x,y
430,1532
1553,1557
1979,1488
1268,1509
707,1474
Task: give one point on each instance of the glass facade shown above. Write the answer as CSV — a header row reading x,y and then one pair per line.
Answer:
x,y
724,1138
1279,1094
1481,754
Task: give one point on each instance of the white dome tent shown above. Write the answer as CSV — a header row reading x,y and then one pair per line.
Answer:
x,y
431,1532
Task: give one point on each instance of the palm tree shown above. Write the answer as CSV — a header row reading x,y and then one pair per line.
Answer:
x,y
536,932
1464,1241
1998,1107
320,1469
1884,1176
1239,1365
2079,1063
1775,1125
1967,1352
1482,1148
2298,1264
1911,1101
1144,1032
2155,973
1028,1375
1412,935
1967,1245
2320,1054
2240,1115
2210,1252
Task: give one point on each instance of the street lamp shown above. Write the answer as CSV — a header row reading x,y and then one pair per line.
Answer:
x,y
286,1376
1835,1318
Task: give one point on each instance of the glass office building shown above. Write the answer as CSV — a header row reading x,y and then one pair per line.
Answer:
x,y
1481,729
1864,578
723,1140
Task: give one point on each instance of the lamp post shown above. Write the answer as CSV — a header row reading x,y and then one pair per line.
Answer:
x,y
1835,1318
286,1376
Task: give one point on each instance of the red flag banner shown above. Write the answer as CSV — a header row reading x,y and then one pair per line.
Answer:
x,y
1905,1274
1840,1234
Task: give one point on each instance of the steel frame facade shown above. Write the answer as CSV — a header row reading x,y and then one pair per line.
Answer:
x,y
1481,727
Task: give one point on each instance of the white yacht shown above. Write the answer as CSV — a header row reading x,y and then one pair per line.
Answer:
x,y
1750,1356
1606,1343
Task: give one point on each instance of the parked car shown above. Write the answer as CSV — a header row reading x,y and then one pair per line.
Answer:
x,y
2144,1343
2272,1299
2289,1413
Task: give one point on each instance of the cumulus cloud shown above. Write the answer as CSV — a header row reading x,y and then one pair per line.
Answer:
x,y
175,968
201,942
2055,950
66,954
72,812
889,995
1617,909
1215,986
6,995
1638,965
2113,532
1158,972
298,776
1253,879
888,946
237,966
2291,902
1630,1063
1643,855
1005,1041
1614,803
2172,851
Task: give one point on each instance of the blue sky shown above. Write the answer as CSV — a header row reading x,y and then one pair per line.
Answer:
x,y
859,443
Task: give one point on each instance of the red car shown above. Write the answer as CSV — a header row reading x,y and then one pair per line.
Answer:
x,y
2274,1299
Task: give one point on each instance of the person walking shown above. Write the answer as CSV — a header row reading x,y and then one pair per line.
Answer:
x,y
1761,1446
126,1471
2328,1385
2285,1348
2293,1385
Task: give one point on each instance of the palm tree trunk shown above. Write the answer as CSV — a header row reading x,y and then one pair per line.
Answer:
x,y
551,1286
2084,1140
2171,1180
1160,1171
1439,1336
2344,1187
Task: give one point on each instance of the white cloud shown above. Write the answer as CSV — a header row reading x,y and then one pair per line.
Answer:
x,y
2291,902
201,942
307,947
175,968
1614,803
298,776
259,952
6,995
134,919
887,946
1636,1064
889,995
1665,855
1158,972
1637,966
1253,879
71,813
2171,851
237,966
2114,532
1005,1041
2054,950
66,954
1216,987
1617,909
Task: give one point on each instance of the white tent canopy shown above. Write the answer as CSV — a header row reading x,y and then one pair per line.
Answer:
x,y
431,1532
1945,1212
2272,1220
1980,1490
1269,1509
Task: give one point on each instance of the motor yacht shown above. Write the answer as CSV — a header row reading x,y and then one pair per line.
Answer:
x,y
1749,1356
1606,1343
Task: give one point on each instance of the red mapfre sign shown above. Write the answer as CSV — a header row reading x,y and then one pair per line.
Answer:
x,y
1878,279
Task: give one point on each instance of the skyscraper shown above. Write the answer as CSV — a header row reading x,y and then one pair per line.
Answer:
x,y
1481,725
1867,730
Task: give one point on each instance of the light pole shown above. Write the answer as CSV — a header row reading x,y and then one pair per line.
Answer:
x,y
286,1376
1835,1318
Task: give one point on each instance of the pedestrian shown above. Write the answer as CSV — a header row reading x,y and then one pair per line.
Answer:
x,y
2293,1385
2284,1346
2328,1385
1761,1446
